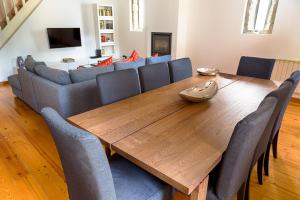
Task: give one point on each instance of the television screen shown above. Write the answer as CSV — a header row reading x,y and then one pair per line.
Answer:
x,y
64,37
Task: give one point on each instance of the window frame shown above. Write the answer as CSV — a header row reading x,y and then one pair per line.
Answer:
x,y
139,27
270,18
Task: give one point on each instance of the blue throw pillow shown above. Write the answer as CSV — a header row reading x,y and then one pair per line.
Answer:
x,y
160,59
130,65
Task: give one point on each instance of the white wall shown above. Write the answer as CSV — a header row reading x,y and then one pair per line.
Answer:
x,y
214,34
129,41
160,16
32,39
182,28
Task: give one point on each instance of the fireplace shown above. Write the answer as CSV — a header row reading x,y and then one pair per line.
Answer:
x,y
161,43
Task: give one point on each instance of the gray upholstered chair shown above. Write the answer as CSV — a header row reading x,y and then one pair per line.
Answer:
x,y
90,175
118,85
281,94
294,79
154,76
180,69
231,175
256,67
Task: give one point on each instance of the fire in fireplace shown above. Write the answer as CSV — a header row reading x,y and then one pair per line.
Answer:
x,y
161,43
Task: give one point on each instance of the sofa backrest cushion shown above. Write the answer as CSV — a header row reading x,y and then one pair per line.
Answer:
x,y
81,75
130,65
159,59
55,75
31,65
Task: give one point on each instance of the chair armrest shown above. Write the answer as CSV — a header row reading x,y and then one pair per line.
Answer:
x,y
67,100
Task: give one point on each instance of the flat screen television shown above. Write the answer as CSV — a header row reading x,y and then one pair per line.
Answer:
x,y
64,37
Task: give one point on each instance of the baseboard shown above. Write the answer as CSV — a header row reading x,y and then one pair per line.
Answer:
x,y
4,83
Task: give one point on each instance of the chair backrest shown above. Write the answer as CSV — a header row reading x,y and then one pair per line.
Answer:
x,y
154,76
281,94
237,159
294,79
180,69
84,162
256,67
295,76
118,85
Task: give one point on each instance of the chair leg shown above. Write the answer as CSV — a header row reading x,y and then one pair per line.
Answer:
x,y
107,152
266,161
274,145
241,192
260,163
247,190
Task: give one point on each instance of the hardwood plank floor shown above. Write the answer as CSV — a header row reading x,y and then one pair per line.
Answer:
x,y
30,166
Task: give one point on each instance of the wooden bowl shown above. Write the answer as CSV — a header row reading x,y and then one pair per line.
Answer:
x,y
208,71
201,92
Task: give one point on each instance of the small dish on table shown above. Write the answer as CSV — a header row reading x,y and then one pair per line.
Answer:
x,y
201,92
208,71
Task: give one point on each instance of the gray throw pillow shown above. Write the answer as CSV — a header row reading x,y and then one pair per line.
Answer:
x,y
86,74
55,75
30,66
29,63
20,62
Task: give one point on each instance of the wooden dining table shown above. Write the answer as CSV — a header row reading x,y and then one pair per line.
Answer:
x,y
175,140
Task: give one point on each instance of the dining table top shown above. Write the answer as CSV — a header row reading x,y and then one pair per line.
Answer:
x,y
177,141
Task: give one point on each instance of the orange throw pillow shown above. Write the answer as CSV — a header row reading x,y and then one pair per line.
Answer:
x,y
104,63
133,58
128,60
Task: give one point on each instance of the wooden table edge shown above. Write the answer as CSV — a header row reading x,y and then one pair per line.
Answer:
x,y
161,176
106,144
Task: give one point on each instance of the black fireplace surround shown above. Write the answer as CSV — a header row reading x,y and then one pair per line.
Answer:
x,y
161,43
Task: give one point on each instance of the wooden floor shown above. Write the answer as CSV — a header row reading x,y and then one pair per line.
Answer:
x,y
30,166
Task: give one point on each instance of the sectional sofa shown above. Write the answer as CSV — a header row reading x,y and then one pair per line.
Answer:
x,y
69,93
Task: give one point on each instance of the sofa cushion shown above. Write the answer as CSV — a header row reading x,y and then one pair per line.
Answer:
x,y
130,65
55,75
86,74
160,59
14,81
30,66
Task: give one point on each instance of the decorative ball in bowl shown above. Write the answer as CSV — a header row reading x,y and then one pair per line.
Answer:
x,y
201,92
208,71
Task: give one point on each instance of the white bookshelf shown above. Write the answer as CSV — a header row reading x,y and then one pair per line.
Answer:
x,y
105,26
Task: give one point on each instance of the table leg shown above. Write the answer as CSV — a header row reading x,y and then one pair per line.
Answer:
x,y
198,194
